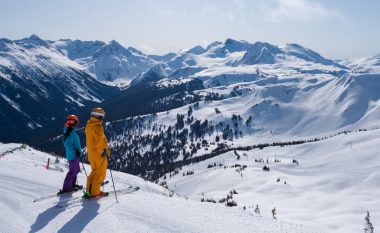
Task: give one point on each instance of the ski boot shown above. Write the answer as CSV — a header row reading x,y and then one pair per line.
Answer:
x,y
77,187
86,195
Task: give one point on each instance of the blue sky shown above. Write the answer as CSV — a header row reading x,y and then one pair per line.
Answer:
x,y
334,28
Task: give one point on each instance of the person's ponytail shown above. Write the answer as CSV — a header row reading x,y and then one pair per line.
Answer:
x,y
68,131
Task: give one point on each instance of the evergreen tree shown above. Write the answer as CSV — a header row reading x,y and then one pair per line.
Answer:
x,y
190,111
257,210
180,122
368,228
274,213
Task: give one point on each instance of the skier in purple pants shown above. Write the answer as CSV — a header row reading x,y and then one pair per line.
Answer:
x,y
73,152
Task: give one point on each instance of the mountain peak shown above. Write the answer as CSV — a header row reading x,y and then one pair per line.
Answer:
x,y
235,45
151,75
261,53
230,41
32,41
36,40
114,43
196,50
34,37
213,44
112,47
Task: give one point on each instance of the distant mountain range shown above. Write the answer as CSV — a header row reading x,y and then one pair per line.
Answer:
x,y
42,81
112,62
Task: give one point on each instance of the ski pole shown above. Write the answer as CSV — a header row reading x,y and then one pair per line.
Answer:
x,y
84,169
113,183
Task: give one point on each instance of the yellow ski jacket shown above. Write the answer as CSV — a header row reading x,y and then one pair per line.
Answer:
x,y
96,140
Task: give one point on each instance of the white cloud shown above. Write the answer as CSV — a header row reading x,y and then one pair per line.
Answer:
x,y
298,10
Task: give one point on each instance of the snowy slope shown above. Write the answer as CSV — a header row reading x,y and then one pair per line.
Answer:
x,y
36,54
267,110
363,65
24,178
333,185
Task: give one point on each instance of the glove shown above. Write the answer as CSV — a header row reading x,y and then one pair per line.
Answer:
x,y
77,153
104,154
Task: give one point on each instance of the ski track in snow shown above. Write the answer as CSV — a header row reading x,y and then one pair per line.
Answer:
x,y
24,178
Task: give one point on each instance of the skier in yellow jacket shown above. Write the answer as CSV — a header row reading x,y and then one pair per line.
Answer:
x,y
98,151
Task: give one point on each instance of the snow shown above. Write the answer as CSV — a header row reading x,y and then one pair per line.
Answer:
x,y
77,50
335,183
290,91
363,65
33,125
241,61
22,54
114,64
282,108
71,99
110,62
11,102
24,178
37,62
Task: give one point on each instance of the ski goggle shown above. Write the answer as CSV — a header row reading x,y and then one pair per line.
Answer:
x,y
99,115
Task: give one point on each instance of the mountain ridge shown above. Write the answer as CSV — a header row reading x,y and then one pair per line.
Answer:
x,y
219,64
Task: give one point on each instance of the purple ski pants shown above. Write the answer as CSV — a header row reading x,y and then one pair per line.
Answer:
x,y
71,177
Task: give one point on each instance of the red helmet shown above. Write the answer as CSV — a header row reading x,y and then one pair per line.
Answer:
x,y
72,120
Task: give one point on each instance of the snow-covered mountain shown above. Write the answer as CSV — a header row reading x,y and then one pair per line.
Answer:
x,y
107,61
151,209
238,61
77,49
220,61
363,65
39,85
113,61
220,64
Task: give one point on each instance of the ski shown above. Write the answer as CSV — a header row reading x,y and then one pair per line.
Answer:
x,y
76,201
59,194
62,194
